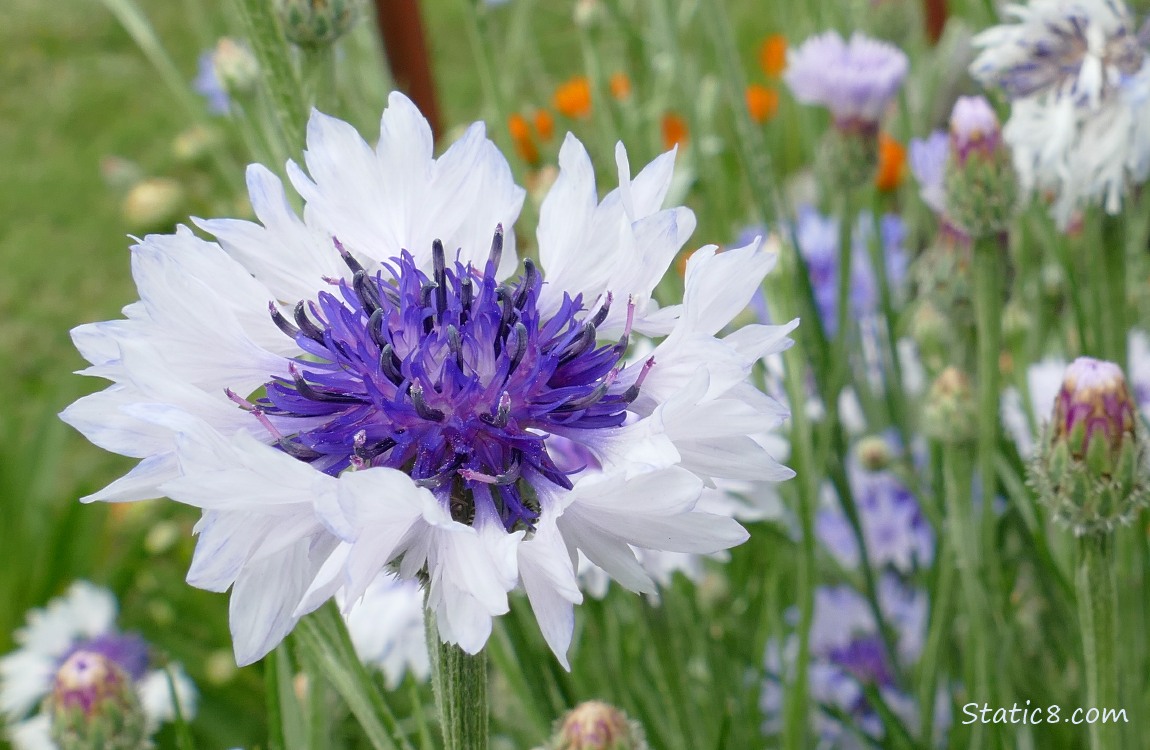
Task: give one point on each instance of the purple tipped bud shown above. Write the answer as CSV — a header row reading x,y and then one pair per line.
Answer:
x,y
974,129
1094,412
1092,467
93,705
594,725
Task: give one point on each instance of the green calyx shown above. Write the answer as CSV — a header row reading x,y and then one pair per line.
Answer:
x,y
981,193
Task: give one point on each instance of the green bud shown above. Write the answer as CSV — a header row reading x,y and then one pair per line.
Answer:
x,y
594,725
94,706
874,453
948,415
316,23
1090,470
981,186
847,157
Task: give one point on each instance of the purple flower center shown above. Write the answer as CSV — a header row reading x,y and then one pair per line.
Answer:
x,y
128,650
453,378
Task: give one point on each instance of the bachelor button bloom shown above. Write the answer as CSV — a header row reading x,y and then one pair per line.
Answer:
x,y
893,527
388,631
928,165
818,240
855,80
208,84
1077,77
847,654
83,620
380,385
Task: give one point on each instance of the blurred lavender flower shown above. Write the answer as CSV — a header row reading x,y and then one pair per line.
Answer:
x,y
855,80
84,619
893,526
848,655
1079,82
818,238
928,165
208,85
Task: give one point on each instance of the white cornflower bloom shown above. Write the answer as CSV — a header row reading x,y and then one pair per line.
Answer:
x,y
388,630
83,619
412,404
1078,79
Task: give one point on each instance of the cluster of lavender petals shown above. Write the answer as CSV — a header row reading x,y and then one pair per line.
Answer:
x,y
894,529
856,79
849,655
818,240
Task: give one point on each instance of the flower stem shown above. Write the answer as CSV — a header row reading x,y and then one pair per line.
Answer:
x,y
964,539
277,73
460,683
1095,582
1112,288
988,270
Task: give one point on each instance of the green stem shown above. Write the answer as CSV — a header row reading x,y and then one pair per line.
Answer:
x,y
460,683
1094,580
964,539
1112,287
988,271
277,73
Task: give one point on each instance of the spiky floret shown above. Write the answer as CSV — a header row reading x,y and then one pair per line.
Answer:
x,y
454,378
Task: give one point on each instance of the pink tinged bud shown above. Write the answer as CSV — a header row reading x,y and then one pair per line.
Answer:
x,y
594,725
93,704
974,128
1094,412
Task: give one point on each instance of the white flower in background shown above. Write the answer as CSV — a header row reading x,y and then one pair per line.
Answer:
x,y
83,619
1079,84
374,387
388,631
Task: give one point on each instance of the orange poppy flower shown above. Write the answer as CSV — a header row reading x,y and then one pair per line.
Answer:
x,y
891,163
773,55
573,97
762,102
544,124
620,86
521,137
674,130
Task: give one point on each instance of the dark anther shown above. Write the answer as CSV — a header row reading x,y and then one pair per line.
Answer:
x,y
389,364
525,285
421,407
520,347
297,450
309,391
601,315
496,253
425,293
632,393
502,414
590,399
455,344
465,292
585,341
440,276
367,292
308,328
375,328
282,322
367,451
351,262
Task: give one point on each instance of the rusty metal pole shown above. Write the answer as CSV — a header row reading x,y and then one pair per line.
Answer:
x,y
404,43
936,15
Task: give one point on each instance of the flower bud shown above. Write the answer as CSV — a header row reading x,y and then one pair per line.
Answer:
x,y
980,180
94,706
1091,468
594,725
316,23
948,415
874,453
848,155
153,203
236,67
